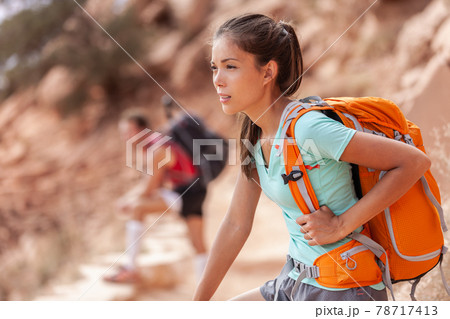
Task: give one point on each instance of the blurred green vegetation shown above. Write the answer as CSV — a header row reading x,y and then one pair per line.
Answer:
x,y
22,37
59,33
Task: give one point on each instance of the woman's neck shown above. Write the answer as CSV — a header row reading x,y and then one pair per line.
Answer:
x,y
267,115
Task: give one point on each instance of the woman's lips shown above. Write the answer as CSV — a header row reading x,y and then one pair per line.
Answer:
x,y
224,98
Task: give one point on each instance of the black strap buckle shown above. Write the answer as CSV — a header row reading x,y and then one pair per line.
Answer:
x,y
293,176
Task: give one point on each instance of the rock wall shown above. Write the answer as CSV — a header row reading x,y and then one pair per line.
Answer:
x,y
423,55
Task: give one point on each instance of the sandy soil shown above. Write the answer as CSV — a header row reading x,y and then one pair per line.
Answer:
x,y
167,259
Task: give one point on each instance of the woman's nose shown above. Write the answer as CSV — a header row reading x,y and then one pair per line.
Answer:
x,y
218,79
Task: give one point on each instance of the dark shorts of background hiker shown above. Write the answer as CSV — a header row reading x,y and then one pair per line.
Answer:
x,y
192,200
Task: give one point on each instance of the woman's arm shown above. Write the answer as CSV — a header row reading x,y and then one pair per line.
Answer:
x,y
232,235
404,165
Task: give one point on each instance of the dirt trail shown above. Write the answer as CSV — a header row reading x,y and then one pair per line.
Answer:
x,y
165,270
167,259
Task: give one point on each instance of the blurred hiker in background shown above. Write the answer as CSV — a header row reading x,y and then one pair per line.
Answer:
x,y
176,186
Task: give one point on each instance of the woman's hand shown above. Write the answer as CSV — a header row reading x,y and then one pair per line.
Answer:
x,y
321,227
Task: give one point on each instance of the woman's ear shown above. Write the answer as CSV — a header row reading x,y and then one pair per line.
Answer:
x,y
271,71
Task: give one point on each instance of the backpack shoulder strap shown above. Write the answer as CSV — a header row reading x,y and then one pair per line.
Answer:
x,y
296,175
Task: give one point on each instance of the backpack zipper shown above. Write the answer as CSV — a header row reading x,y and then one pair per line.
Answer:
x,y
346,255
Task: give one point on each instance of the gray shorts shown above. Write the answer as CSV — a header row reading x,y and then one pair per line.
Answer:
x,y
307,292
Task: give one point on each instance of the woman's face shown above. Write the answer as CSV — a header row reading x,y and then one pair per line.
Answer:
x,y
236,77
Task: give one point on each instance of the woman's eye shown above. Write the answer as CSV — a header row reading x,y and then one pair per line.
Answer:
x,y
229,66
213,67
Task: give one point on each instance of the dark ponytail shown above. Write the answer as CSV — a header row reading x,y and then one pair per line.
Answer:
x,y
290,76
249,132
267,40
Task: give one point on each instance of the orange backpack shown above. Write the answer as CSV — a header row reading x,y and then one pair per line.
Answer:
x,y
409,232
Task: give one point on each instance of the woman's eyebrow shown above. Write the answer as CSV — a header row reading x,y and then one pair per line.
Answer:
x,y
225,60
228,59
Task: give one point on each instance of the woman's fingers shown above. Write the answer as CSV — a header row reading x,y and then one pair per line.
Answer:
x,y
319,227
